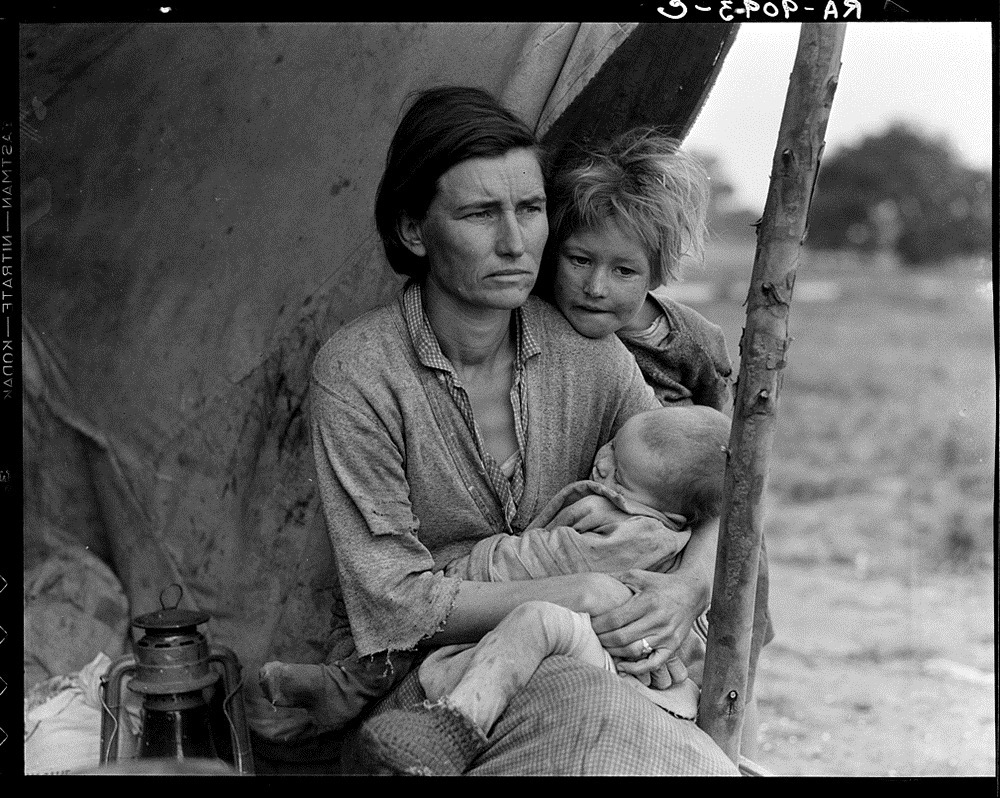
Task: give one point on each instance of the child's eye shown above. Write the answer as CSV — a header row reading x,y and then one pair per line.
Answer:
x,y
625,271
578,260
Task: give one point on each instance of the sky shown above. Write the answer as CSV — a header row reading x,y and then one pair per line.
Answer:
x,y
936,75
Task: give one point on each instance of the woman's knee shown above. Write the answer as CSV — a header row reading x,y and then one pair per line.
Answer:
x,y
584,721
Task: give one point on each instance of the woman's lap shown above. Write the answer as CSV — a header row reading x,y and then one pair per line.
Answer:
x,y
574,719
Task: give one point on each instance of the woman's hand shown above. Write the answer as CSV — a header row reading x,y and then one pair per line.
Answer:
x,y
661,612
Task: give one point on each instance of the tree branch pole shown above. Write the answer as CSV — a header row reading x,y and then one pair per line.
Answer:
x,y
763,347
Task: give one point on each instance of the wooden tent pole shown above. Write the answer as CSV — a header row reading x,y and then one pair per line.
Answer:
x,y
763,347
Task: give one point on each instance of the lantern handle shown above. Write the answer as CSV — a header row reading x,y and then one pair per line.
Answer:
x,y
180,594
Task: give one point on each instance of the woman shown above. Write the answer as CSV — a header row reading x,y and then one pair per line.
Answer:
x,y
455,414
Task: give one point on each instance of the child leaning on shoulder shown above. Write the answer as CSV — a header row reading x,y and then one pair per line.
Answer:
x,y
622,220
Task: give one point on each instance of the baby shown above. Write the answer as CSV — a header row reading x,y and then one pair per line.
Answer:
x,y
657,478
660,475
665,468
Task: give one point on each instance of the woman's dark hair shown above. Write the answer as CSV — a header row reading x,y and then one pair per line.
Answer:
x,y
443,127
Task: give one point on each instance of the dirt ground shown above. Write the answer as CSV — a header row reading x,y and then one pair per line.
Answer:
x,y
880,521
878,675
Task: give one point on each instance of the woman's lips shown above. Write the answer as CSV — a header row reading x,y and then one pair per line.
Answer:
x,y
508,273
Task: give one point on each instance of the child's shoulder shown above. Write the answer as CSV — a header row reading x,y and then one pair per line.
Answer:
x,y
692,326
687,319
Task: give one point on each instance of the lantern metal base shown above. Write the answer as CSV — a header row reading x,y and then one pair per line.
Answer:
x,y
224,709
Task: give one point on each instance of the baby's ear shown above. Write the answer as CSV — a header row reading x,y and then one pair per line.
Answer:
x,y
410,232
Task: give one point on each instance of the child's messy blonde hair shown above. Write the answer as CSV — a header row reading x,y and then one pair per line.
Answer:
x,y
648,185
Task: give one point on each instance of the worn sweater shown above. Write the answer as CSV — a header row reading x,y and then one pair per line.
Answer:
x,y
403,487
683,357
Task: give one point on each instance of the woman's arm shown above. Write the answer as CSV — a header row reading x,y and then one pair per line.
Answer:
x,y
664,606
480,606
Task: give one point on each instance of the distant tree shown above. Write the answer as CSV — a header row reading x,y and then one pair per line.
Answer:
x,y
725,218
902,190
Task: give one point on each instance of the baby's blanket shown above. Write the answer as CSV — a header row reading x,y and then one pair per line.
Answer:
x,y
586,527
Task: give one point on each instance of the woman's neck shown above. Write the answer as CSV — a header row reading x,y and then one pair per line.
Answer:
x,y
469,337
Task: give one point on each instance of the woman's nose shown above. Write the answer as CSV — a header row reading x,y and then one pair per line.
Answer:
x,y
510,238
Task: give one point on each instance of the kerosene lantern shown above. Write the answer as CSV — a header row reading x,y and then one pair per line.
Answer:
x,y
188,689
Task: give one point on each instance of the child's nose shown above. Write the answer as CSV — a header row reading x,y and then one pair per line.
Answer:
x,y
596,285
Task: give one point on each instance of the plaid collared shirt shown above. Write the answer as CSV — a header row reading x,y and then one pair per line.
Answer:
x,y
430,355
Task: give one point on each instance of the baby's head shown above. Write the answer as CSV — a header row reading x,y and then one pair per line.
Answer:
x,y
620,220
672,459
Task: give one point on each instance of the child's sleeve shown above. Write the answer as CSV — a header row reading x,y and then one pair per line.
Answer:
x,y
713,368
683,357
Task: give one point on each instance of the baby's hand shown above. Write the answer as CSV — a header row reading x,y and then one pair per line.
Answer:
x,y
589,514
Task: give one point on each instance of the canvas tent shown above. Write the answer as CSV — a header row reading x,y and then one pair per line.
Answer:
x,y
198,220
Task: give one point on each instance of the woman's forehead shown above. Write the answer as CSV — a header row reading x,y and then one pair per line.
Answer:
x,y
517,173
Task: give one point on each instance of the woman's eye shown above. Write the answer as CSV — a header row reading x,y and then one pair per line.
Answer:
x,y
483,214
530,210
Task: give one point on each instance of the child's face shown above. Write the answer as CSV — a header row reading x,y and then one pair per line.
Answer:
x,y
602,276
624,464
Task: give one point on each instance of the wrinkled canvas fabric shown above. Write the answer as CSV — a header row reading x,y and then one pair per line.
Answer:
x,y
74,606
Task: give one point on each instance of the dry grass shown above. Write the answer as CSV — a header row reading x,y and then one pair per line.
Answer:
x,y
887,414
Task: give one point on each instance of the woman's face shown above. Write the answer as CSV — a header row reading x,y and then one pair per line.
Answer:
x,y
602,276
484,231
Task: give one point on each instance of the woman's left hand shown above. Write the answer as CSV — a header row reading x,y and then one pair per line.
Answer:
x,y
661,613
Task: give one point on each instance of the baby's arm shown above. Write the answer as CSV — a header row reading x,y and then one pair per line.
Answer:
x,y
609,541
590,514
642,543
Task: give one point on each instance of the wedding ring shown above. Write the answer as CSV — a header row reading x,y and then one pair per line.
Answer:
x,y
647,649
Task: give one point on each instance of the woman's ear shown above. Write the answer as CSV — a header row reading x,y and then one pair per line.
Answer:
x,y
410,233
